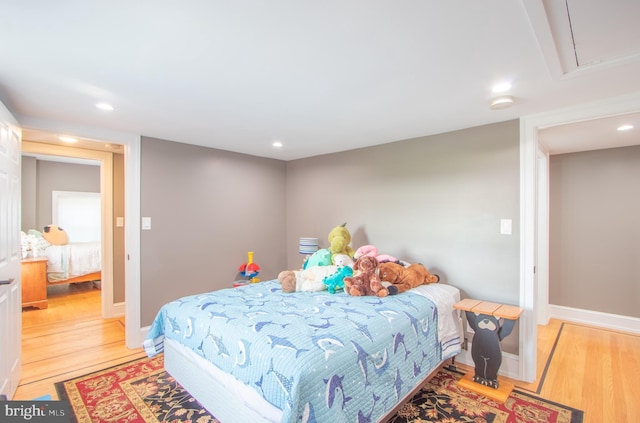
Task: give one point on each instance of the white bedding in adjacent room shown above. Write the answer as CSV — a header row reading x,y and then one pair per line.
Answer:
x,y
71,260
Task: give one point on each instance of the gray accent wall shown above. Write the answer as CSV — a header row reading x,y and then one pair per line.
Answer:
x,y
594,251
437,200
28,194
208,208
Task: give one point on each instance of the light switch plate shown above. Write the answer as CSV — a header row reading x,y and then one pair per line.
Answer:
x,y
119,222
505,226
146,223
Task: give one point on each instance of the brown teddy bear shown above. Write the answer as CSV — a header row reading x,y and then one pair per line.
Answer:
x,y
404,278
365,281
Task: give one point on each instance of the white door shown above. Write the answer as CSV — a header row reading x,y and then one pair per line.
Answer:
x,y
10,254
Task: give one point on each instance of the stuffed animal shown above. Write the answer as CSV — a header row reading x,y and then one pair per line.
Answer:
x,y
404,278
306,280
339,240
372,251
55,235
335,281
365,281
322,257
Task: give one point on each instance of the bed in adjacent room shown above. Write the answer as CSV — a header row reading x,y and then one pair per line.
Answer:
x,y
74,262
67,262
255,353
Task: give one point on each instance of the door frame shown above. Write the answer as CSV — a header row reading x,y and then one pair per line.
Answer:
x,y
109,309
529,248
131,142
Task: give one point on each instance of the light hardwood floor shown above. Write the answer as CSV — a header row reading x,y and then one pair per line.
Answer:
x,y
68,339
594,370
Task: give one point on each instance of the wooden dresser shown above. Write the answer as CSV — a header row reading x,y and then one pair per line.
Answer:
x,y
34,282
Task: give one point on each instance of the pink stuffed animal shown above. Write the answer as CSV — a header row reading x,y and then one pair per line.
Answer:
x,y
372,251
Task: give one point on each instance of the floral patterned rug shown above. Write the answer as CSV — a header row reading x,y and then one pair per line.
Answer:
x,y
134,392
141,391
442,400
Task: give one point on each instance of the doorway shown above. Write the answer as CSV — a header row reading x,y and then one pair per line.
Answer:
x,y
110,307
531,249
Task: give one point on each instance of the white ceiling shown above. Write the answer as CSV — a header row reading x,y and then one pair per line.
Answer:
x,y
320,77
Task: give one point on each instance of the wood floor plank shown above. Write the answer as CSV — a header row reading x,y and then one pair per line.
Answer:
x,y
69,339
36,387
83,338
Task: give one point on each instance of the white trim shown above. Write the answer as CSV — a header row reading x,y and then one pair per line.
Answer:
x,y
106,195
118,309
596,318
132,211
529,127
542,237
528,322
540,24
133,335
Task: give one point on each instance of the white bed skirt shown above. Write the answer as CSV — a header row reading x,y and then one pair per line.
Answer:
x,y
229,400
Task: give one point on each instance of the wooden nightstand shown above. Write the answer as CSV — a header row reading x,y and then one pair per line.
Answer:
x,y
34,282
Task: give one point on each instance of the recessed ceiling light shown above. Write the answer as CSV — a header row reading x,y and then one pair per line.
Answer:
x,y
277,144
501,87
67,139
104,106
625,127
501,102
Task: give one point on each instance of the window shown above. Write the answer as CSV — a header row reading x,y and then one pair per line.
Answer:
x,y
79,214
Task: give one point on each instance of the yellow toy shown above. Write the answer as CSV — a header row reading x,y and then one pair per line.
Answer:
x,y
339,240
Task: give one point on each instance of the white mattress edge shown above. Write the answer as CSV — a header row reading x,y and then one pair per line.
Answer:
x,y
192,371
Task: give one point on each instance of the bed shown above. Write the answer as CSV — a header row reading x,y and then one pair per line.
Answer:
x,y
69,263
257,354
74,262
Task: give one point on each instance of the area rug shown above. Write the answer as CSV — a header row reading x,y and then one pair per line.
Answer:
x,y
141,391
442,400
134,392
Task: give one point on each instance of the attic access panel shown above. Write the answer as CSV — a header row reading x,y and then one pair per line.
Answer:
x,y
604,30
594,32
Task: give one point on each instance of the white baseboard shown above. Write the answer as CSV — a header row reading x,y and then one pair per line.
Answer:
x,y
115,310
596,318
509,368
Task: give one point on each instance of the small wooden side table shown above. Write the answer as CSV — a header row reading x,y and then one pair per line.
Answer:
x,y
491,322
34,282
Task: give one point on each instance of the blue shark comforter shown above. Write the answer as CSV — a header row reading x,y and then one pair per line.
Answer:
x,y
314,355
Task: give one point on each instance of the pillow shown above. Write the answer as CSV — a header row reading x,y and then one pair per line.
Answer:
x,y
33,243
